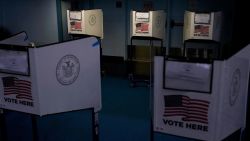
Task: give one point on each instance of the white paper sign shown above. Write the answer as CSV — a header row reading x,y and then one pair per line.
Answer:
x,y
188,76
202,18
14,61
142,16
75,15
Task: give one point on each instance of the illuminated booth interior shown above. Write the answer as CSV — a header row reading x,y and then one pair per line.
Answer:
x,y
202,34
85,22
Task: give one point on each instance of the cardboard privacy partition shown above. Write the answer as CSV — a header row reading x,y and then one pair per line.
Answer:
x,y
51,79
205,26
20,39
148,24
88,22
200,100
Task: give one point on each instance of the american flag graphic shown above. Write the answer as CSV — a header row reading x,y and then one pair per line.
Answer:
x,y
189,109
18,87
76,25
142,27
201,29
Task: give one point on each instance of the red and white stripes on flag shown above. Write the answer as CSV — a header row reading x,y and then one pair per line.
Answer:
x,y
142,28
20,88
195,110
76,25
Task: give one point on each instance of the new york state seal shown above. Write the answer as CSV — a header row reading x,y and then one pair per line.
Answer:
x,y
67,69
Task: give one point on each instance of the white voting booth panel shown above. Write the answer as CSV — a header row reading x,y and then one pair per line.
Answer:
x,y
89,22
18,39
210,115
205,26
149,24
244,53
63,77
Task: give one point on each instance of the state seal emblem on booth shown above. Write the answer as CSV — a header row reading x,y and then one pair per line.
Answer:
x,y
67,69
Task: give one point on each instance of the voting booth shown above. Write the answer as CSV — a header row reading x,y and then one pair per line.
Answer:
x,y
148,24
51,79
204,100
88,22
202,25
202,34
147,33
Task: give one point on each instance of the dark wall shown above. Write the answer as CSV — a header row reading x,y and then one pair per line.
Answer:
x,y
4,33
241,25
